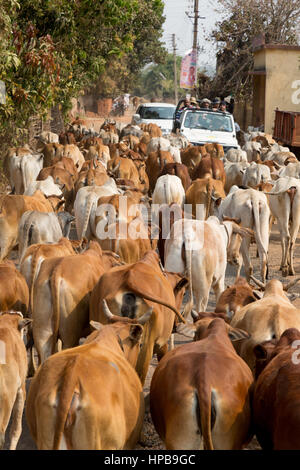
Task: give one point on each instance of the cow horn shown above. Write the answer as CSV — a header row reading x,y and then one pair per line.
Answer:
x,y
146,317
11,312
259,283
116,168
106,311
291,284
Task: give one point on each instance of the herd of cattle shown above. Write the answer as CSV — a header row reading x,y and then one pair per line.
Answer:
x,y
92,311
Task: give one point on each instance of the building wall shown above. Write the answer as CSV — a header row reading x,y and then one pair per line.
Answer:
x,y
259,88
282,83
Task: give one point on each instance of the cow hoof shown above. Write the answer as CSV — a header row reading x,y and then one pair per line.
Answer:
x,y
292,272
285,272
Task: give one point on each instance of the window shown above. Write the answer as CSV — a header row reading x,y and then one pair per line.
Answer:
x,y
208,121
156,112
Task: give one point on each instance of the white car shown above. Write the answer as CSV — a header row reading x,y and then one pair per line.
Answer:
x,y
161,114
203,126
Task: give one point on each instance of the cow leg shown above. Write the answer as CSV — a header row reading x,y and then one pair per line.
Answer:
x,y
294,228
218,288
201,293
17,412
245,245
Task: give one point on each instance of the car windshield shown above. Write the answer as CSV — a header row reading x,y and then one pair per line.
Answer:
x,y
208,121
156,112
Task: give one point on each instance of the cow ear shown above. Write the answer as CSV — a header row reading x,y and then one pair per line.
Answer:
x,y
180,284
96,325
136,332
260,351
236,334
23,322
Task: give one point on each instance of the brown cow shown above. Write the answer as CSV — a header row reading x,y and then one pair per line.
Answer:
x,y
200,392
129,249
35,254
90,397
64,180
191,156
13,371
266,318
210,167
12,207
14,293
206,192
180,170
66,164
236,296
124,168
154,165
214,150
277,391
130,290
91,177
61,298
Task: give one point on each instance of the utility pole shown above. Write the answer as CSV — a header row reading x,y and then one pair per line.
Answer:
x,y
175,68
195,38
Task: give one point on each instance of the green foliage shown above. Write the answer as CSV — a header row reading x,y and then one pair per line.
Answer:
x,y
157,80
50,50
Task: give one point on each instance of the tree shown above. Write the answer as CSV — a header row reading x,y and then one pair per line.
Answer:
x,y
157,80
51,50
278,20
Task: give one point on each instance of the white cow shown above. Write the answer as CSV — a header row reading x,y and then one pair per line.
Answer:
x,y
156,142
168,189
177,140
236,155
256,174
72,151
38,227
253,150
291,170
175,152
281,158
234,174
47,187
284,200
251,208
200,248
48,137
23,170
85,206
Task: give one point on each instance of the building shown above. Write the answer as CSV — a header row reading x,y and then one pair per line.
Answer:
x,y
276,82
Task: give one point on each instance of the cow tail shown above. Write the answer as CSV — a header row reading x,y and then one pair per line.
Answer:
x,y
34,262
89,205
209,193
27,232
206,413
54,285
66,396
255,209
213,167
23,170
189,305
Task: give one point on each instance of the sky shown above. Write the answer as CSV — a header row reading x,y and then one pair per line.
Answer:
x,y
178,22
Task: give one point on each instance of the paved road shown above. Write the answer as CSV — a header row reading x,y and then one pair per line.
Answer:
x,y
151,439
